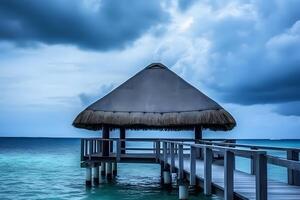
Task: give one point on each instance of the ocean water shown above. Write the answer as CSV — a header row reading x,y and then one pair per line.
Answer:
x,y
43,168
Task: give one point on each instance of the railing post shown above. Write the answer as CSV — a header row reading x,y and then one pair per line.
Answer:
x,y
99,146
165,155
172,155
261,176
293,175
253,162
85,147
111,146
81,149
180,160
157,150
228,174
208,155
105,143
90,149
193,165
118,150
94,146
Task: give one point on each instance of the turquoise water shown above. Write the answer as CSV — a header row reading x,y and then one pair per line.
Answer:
x,y
49,169
35,168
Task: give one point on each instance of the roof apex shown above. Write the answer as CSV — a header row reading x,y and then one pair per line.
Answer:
x,y
156,66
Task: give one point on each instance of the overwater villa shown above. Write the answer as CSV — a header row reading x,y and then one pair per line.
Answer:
x,y
158,99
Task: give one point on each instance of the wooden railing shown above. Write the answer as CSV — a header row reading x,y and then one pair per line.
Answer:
x,y
94,146
291,162
168,153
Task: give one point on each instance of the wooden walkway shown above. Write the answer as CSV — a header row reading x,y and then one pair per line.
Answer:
x,y
198,165
244,184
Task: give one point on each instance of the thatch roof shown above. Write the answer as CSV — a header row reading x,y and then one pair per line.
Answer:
x,y
155,98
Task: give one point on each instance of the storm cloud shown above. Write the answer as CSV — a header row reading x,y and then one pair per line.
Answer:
x,y
245,52
89,24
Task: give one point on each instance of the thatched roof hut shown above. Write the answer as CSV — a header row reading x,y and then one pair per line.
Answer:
x,y
155,98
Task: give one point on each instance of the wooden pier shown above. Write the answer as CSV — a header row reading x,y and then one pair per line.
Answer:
x,y
209,165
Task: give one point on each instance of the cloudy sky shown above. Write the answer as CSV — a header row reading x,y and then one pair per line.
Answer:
x,y
58,56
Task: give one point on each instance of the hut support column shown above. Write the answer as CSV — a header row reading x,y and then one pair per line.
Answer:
x,y
88,177
115,168
103,168
198,136
123,137
183,191
105,147
108,170
167,178
96,174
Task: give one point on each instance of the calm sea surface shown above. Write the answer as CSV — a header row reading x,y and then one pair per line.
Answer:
x,y
35,168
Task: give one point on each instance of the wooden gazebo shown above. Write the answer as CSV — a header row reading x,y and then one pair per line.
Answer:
x,y
155,98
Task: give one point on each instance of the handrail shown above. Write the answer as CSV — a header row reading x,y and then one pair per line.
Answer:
x,y
229,153
143,139
166,150
291,162
251,146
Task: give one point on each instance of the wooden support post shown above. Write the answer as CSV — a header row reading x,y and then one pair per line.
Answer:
x,y
167,178
183,191
253,162
261,181
198,136
105,146
111,146
90,149
85,147
96,174
94,146
180,159
115,168
123,137
157,145
172,155
118,153
193,166
165,155
161,173
233,141
103,168
293,175
208,156
108,170
198,133
228,175
82,149
88,177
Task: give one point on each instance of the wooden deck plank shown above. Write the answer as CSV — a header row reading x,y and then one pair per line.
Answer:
x,y
244,184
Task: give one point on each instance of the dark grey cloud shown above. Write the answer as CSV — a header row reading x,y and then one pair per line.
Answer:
x,y
289,109
255,56
98,25
87,99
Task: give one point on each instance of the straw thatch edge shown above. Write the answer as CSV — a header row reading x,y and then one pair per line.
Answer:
x,y
209,119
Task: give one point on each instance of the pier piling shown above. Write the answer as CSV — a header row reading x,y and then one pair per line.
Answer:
x,y
183,191
103,169
88,177
115,168
96,174
108,170
167,178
